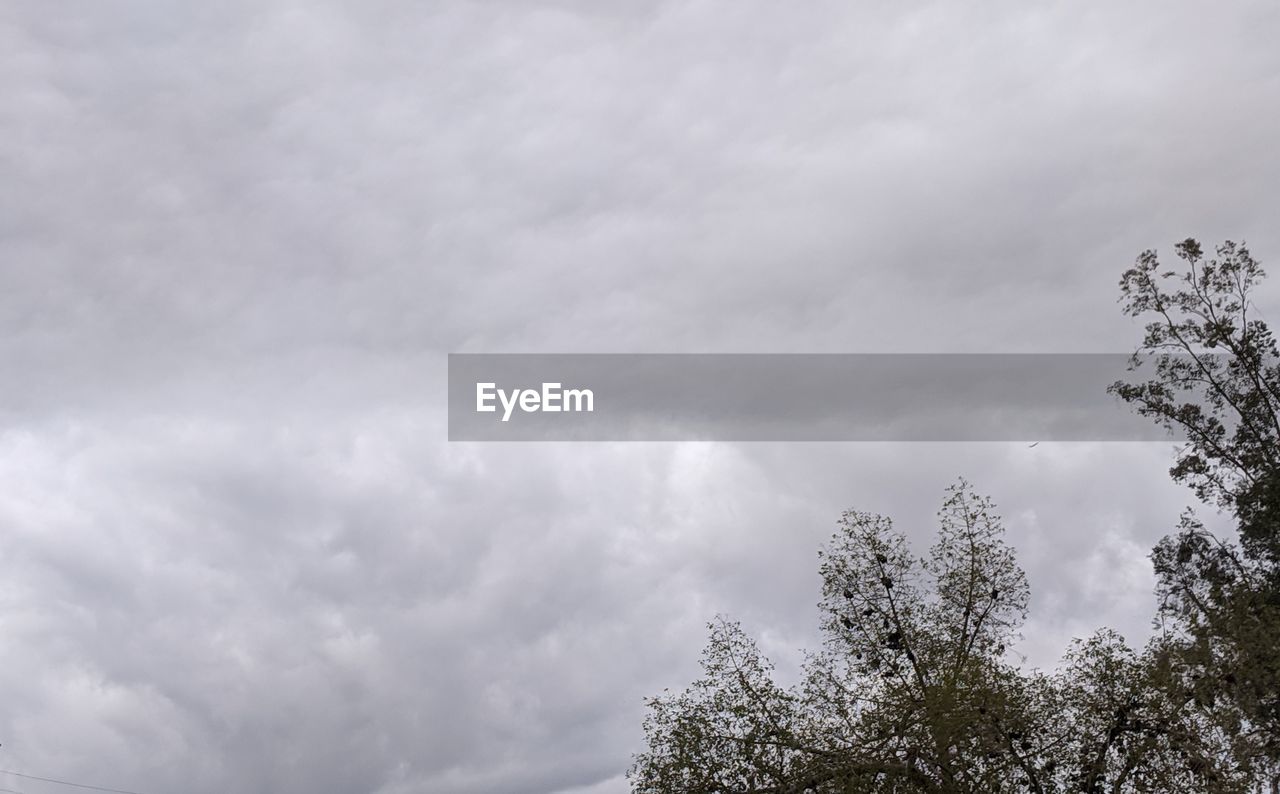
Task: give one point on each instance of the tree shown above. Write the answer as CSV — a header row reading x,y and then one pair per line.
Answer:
x,y
912,690
1217,381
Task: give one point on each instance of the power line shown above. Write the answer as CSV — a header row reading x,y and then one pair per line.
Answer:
x,y
65,783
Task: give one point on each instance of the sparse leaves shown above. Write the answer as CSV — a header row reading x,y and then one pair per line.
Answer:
x,y
909,692
1216,379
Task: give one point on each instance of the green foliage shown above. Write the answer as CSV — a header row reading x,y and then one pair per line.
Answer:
x,y
1217,380
912,692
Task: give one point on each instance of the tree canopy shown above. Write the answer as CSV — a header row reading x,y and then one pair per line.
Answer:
x,y
913,689
1217,382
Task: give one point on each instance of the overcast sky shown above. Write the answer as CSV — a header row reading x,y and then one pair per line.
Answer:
x,y
238,239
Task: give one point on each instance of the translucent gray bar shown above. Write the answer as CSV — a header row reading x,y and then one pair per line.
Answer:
x,y
794,397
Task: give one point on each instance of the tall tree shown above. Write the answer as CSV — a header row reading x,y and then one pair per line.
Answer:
x,y
912,690
1216,381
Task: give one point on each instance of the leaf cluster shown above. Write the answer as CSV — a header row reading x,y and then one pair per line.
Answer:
x,y
914,690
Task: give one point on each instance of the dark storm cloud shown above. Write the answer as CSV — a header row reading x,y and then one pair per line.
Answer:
x,y
236,242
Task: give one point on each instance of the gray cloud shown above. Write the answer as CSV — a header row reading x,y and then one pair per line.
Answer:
x,y
236,242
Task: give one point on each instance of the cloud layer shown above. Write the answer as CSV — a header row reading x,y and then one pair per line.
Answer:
x,y
236,242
